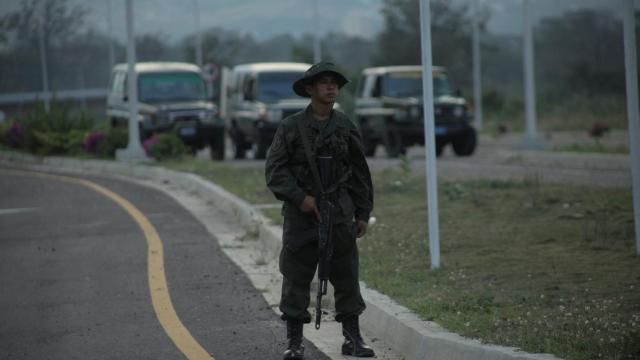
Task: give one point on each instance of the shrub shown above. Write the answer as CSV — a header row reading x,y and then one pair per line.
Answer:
x,y
57,143
164,146
92,141
59,131
115,138
12,134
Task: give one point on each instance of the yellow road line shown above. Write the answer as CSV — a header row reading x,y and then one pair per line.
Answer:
x,y
157,280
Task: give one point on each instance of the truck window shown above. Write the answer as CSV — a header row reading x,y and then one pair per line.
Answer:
x,y
377,87
165,86
275,86
409,84
117,83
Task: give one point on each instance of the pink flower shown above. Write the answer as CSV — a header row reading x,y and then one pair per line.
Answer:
x,y
15,134
149,142
92,141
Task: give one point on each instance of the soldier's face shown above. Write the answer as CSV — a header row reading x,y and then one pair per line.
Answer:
x,y
324,89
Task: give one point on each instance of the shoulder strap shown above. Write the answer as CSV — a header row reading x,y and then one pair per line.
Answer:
x,y
309,155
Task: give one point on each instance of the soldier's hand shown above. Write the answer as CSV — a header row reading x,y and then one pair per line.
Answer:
x,y
362,228
308,205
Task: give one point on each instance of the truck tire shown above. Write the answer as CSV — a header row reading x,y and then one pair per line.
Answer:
x,y
239,146
393,143
262,146
439,147
465,143
216,147
369,147
369,144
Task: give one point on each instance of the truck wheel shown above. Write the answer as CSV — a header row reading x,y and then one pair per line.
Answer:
x,y
239,146
465,144
439,147
262,146
393,144
216,147
369,148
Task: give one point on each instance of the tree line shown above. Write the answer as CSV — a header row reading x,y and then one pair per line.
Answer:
x,y
578,52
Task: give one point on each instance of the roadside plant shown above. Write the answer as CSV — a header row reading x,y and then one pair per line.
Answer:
x,y
92,141
115,138
164,146
12,134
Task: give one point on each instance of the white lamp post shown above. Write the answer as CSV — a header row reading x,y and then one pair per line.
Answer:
x,y
631,67
134,151
429,134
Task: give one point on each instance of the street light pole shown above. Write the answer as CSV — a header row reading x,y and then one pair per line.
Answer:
x,y
429,134
529,79
110,37
477,66
631,69
532,140
43,58
199,59
134,151
317,49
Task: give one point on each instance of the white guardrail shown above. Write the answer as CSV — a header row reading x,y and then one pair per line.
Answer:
x,y
75,94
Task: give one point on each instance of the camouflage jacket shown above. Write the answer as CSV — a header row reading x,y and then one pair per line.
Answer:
x,y
289,176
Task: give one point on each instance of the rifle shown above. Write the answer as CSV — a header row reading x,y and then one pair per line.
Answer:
x,y
325,231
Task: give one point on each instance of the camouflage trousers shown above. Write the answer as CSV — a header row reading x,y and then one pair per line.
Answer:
x,y
298,269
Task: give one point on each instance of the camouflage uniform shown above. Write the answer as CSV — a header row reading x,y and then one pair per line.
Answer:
x,y
289,177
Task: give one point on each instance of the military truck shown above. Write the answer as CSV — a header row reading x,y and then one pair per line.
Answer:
x,y
260,96
171,96
389,111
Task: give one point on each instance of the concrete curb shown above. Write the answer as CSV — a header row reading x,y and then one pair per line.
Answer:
x,y
403,331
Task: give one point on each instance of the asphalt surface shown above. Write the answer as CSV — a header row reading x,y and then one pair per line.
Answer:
x,y
504,158
73,277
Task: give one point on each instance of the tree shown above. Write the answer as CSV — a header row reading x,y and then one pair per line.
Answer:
x,y
151,47
581,51
219,46
19,30
399,42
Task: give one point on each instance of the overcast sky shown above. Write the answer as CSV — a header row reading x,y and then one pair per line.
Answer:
x,y
265,18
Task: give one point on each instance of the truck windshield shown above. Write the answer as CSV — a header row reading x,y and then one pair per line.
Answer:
x,y
178,86
275,86
409,84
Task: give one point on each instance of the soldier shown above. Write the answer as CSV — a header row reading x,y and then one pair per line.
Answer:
x,y
290,178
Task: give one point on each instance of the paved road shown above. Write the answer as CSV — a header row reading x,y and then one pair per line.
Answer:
x,y
74,278
502,158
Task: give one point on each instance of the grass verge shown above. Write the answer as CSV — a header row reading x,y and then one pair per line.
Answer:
x,y
546,268
593,148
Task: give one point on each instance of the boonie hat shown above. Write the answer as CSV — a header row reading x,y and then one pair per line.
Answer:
x,y
315,71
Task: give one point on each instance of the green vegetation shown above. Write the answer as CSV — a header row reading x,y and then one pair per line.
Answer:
x,y
165,146
247,182
546,268
61,131
563,114
594,147
543,267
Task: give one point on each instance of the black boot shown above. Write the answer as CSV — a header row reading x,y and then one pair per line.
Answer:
x,y
353,343
295,350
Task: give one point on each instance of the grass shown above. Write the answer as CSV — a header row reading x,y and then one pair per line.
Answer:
x,y
594,147
246,182
578,113
546,268
541,267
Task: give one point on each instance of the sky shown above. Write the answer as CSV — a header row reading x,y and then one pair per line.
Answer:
x,y
265,18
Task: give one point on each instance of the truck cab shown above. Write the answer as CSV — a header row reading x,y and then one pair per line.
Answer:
x,y
260,96
389,111
171,97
